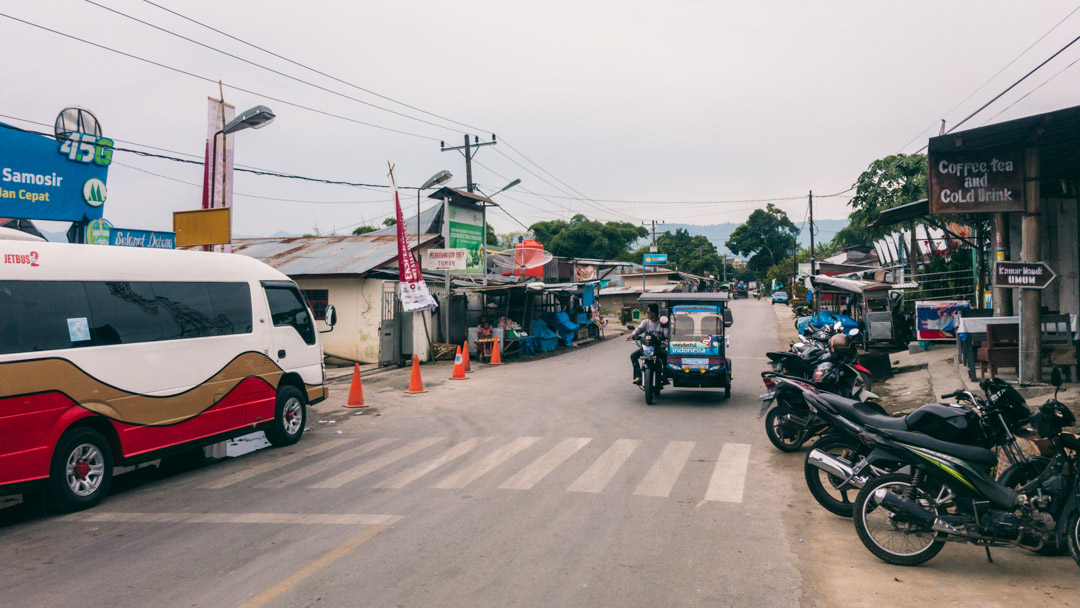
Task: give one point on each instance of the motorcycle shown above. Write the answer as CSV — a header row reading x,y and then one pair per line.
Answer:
x,y
652,346
905,518
840,463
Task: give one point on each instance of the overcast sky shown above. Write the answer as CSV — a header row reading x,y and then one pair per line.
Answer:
x,y
682,100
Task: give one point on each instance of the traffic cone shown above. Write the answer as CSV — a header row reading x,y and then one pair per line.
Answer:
x,y
459,367
465,355
496,358
356,390
416,385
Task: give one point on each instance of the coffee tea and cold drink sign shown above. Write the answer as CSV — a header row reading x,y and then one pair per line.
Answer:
x,y
987,181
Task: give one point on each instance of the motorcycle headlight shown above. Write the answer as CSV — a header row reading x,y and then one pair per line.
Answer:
x,y
648,350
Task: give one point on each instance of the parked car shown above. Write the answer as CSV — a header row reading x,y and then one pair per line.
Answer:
x,y
779,297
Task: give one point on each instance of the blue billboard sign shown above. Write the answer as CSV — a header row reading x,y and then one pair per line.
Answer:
x,y
43,179
125,237
655,259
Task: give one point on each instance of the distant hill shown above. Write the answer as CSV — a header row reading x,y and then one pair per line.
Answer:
x,y
718,234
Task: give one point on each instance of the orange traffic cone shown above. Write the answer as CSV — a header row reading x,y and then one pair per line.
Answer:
x,y
496,358
465,355
459,367
356,390
415,384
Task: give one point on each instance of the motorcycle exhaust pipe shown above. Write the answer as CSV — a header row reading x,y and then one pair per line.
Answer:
x,y
912,511
837,467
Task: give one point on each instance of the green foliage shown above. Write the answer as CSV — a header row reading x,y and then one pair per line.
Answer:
x,y
585,238
390,221
894,180
767,236
492,238
364,229
692,254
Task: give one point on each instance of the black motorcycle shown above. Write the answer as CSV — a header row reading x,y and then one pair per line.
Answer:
x,y
906,518
653,350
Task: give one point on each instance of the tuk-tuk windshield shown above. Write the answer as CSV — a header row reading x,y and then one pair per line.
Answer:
x,y
696,322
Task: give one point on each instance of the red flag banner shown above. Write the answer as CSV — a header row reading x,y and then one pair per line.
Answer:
x,y
414,292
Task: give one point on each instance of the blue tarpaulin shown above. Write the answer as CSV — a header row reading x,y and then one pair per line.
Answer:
x,y
826,317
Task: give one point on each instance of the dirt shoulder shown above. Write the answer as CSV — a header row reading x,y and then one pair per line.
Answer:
x,y
837,570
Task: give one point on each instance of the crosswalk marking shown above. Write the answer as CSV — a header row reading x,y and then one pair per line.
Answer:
x,y
599,473
662,476
296,475
730,474
408,476
478,469
375,464
273,464
234,518
529,476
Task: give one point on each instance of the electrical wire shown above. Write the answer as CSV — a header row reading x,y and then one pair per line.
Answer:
x,y
269,69
214,81
1044,83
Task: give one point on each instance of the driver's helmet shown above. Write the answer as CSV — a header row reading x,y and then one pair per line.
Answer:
x,y
826,373
842,345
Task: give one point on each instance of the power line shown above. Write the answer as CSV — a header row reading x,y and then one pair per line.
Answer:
x,y
269,69
311,69
1006,109
213,81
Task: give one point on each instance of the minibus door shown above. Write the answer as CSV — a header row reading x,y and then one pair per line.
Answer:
x,y
294,345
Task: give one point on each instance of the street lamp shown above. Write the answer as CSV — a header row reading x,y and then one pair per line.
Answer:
x,y
255,118
438,179
483,237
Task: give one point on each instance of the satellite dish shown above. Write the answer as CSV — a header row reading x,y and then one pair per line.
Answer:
x,y
521,258
76,119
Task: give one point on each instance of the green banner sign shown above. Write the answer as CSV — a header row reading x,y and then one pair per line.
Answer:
x,y
467,232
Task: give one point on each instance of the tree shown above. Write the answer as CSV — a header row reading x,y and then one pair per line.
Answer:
x,y
894,180
692,254
585,238
492,238
364,229
390,221
767,236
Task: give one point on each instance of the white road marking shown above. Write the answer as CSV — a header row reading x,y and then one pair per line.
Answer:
x,y
296,475
410,475
600,472
663,475
474,471
529,476
234,518
273,464
375,464
729,476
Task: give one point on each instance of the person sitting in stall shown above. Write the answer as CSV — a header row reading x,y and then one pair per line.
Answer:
x,y
484,339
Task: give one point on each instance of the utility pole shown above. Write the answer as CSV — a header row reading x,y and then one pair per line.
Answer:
x,y
469,151
817,300
652,249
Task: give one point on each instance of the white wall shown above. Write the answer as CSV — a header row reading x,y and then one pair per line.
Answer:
x,y
359,311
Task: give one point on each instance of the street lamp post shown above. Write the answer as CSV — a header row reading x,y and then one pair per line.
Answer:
x,y
255,118
483,233
438,179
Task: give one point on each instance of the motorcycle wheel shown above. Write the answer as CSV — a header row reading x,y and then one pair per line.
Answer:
x,y
1021,473
784,436
883,535
822,485
647,384
727,391
1072,530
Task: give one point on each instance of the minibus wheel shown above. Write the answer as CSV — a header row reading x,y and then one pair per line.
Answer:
x,y
81,472
290,417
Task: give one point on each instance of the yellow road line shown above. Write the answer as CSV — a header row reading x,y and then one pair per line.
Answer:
x,y
304,573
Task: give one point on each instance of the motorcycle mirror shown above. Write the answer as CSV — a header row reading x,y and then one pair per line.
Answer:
x,y
630,327
1055,377
838,326
854,331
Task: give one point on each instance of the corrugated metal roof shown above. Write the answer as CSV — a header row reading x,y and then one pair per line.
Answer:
x,y
633,289
326,255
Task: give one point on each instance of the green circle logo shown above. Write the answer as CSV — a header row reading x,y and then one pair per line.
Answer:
x,y
94,192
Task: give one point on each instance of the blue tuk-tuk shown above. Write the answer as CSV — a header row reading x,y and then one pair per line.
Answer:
x,y
697,341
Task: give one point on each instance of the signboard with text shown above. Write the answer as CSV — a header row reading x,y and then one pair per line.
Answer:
x,y
655,259
445,259
467,232
986,181
43,179
1031,275
149,239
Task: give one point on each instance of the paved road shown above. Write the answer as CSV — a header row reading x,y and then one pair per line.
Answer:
x,y
548,483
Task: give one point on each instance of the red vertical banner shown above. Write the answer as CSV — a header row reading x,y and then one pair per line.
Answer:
x,y
414,292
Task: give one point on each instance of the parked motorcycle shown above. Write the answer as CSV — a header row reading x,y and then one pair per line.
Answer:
x,y
905,518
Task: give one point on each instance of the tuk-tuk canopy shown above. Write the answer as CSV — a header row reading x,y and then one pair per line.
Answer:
x,y
862,287
709,298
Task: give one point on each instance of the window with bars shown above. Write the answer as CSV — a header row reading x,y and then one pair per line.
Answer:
x,y
318,299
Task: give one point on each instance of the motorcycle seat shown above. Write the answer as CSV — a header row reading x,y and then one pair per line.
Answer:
x,y
973,453
864,413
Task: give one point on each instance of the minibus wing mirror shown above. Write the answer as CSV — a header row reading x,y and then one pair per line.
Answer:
x,y
330,318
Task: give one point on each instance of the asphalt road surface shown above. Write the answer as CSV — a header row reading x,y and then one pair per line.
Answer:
x,y
546,483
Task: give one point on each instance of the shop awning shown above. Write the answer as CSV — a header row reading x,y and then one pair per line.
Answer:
x,y
902,213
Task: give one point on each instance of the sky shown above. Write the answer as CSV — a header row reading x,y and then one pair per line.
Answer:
x,y
721,104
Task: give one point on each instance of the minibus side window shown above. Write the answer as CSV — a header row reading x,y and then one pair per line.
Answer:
x,y
39,315
187,311
288,309
232,307
123,313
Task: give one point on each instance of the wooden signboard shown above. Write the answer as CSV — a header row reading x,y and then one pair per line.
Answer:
x,y
1030,275
986,181
203,227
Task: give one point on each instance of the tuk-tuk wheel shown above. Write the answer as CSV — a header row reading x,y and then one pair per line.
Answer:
x,y
727,391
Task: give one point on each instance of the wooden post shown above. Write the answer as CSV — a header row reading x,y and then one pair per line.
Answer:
x,y
1003,304
1030,251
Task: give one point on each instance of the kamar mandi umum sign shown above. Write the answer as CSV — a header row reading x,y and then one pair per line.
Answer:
x,y
986,181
